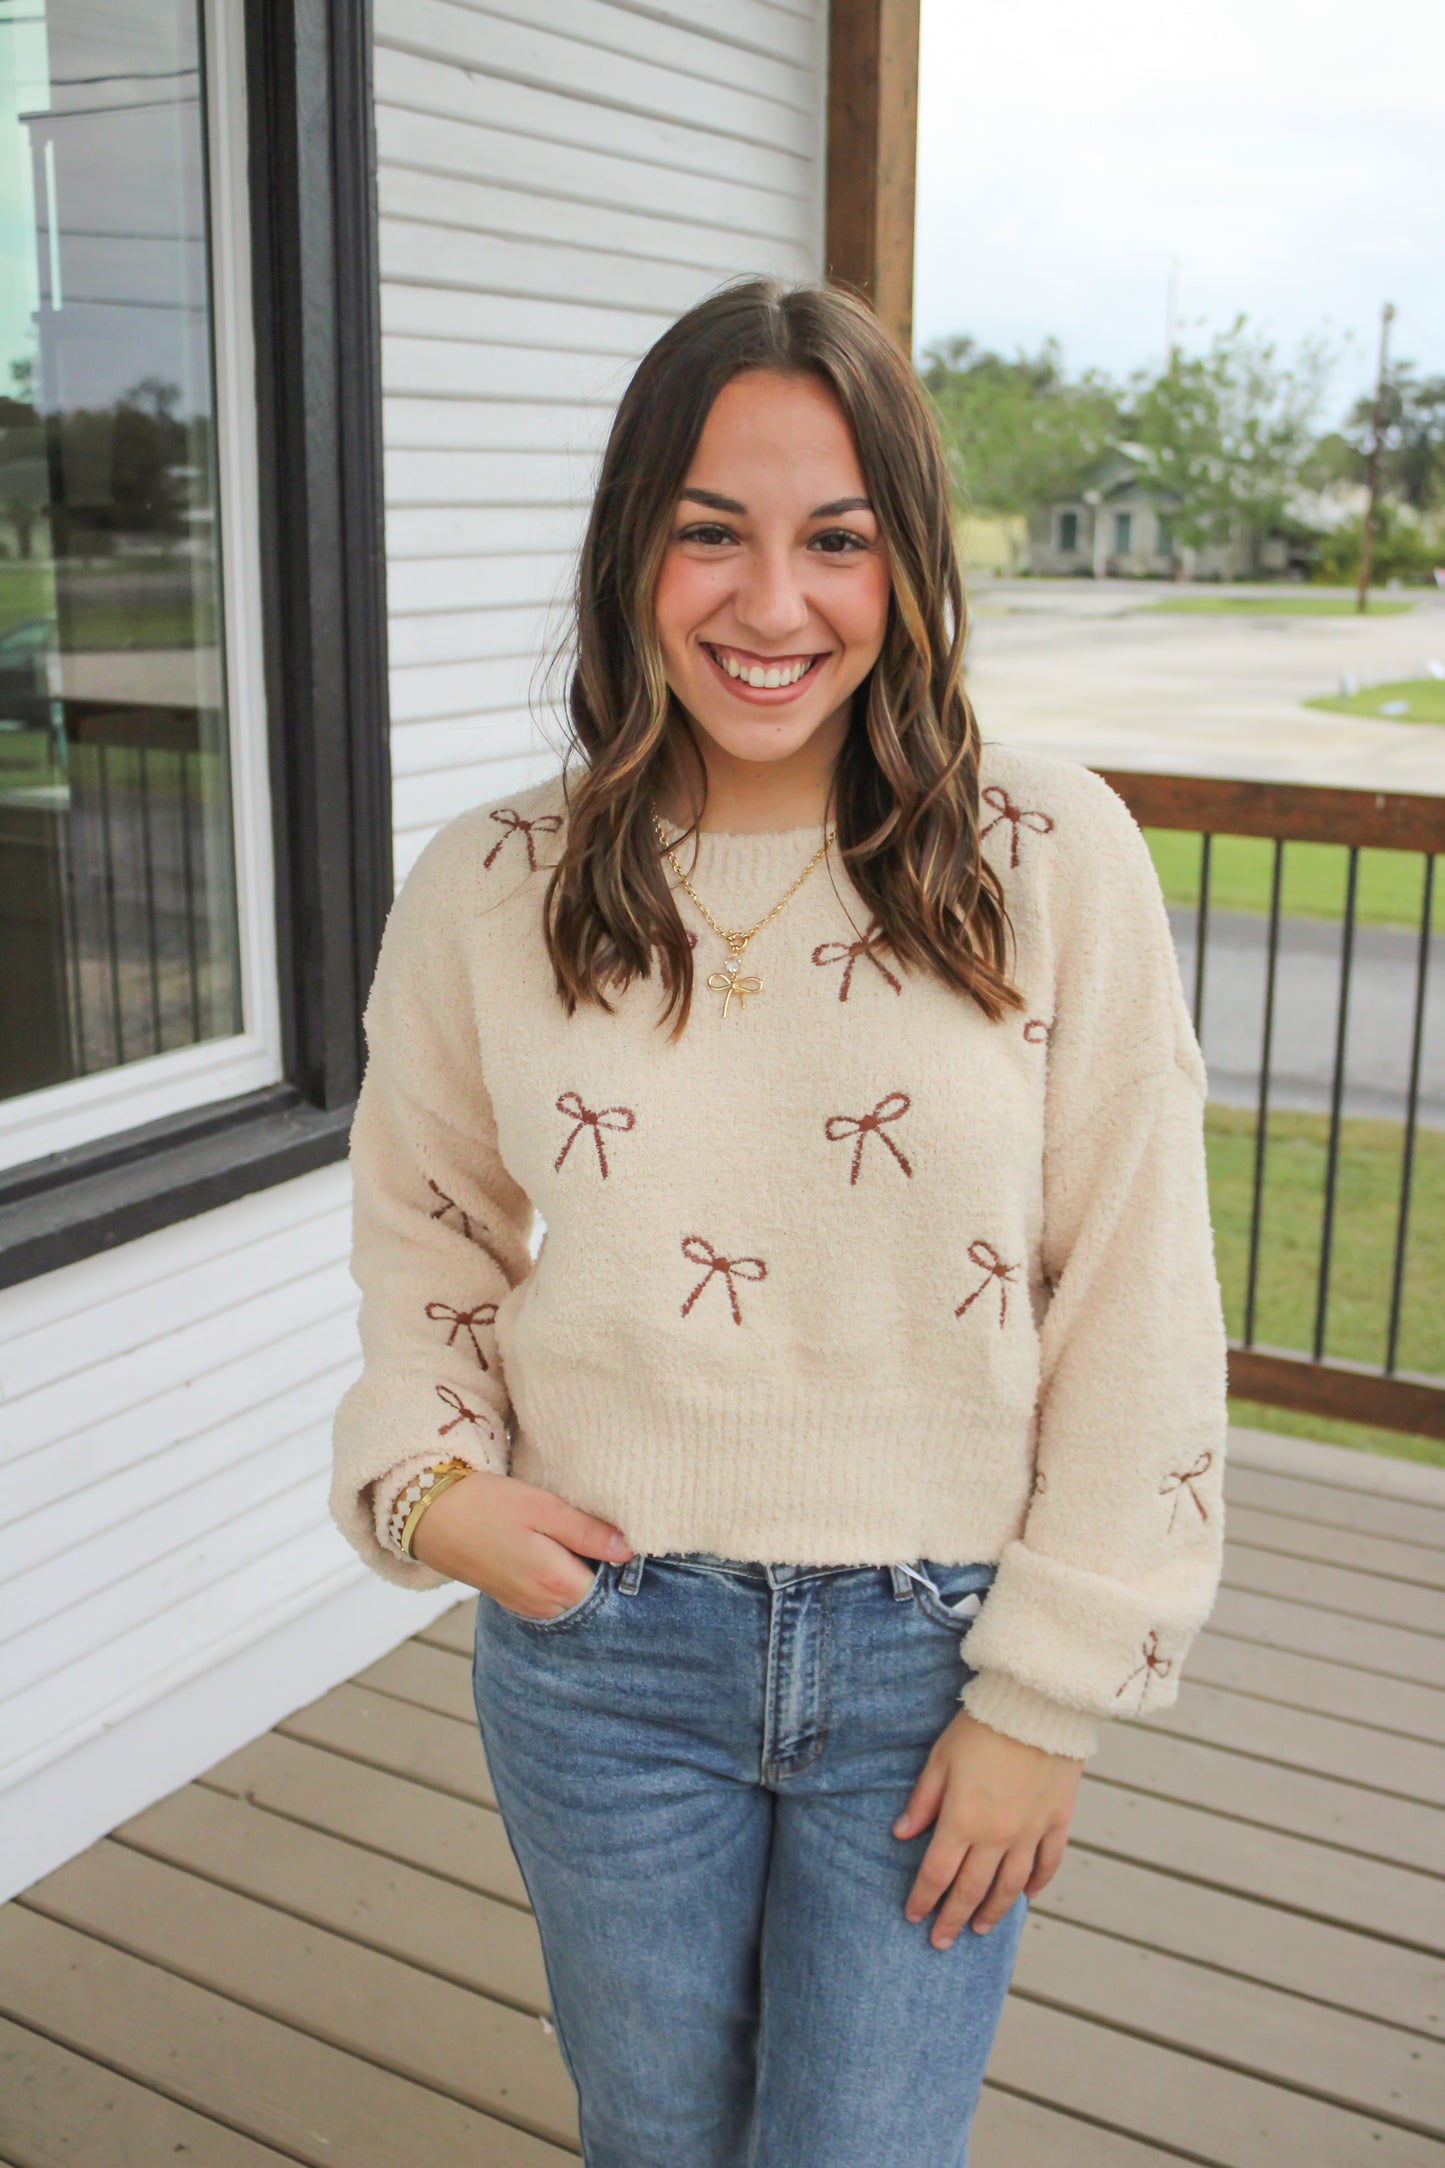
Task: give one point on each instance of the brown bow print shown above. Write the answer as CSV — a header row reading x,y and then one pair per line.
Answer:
x,y
465,1321
514,824
594,1118
1153,1666
698,1251
464,1414
847,953
1016,816
994,1269
1181,1482
1036,1031
862,1126
449,1204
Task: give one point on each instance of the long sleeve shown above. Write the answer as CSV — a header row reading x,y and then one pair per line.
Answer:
x,y
439,1228
1096,1603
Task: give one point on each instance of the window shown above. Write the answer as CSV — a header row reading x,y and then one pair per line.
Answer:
x,y
120,929
195,841
1163,536
1068,532
1123,533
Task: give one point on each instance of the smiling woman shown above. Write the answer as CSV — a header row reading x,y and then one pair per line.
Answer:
x,y
821,1475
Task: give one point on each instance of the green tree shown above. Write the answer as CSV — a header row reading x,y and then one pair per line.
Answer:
x,y
1229,432
1412,461
1019,433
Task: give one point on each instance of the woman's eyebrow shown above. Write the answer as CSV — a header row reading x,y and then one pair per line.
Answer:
x,y
711,498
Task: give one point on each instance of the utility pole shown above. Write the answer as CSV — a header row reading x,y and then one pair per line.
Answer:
x,y
1169,313
1372,475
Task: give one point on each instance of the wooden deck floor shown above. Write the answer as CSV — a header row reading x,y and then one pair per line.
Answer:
x,y
321,1951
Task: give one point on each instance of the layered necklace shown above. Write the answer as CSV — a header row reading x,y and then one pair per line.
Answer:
x,y
731,981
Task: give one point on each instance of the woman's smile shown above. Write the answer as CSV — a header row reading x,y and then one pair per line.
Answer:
x,y
765,680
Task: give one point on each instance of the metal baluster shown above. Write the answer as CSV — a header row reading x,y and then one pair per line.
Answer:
x,y
1337,1093
190,884
112,941
1412,1102
147,855
1201,930
1261,1120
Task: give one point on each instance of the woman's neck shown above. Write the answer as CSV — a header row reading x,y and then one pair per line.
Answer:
x,y
755,797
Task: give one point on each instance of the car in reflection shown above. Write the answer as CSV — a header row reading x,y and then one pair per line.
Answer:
x,y
28,660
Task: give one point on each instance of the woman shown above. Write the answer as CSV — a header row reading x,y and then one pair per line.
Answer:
x,y
876,1326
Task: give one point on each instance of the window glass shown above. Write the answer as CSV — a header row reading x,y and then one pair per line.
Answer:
x,y
118,925
1123,531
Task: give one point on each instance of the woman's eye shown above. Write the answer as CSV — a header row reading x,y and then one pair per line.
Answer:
x,y
839,542
708,533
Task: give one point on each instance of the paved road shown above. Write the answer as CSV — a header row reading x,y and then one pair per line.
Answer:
x,y
1085,670
1381,1012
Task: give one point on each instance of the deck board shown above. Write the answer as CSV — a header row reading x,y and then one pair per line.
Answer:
x,y
321,1950
56,2105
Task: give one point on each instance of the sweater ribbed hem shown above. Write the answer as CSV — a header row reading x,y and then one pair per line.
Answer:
x,y
870,1479
1007,1705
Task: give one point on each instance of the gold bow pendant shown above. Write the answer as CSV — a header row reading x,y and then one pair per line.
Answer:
x,y
727,982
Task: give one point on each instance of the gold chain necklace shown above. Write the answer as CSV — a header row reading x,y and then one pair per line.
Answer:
x,y
730,981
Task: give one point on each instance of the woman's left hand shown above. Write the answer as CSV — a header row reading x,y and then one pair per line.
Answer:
x,y
1003,1811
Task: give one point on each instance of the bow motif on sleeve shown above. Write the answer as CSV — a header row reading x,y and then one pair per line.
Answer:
x,y
465,1321
1181,1482
1153,1666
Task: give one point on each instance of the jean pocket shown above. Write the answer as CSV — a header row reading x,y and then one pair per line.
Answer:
x,y
586,1603
950,1595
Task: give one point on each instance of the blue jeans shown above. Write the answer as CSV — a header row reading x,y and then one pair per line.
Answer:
x,y
698,1766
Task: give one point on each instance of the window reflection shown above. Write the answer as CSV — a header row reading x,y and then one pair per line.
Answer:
x,y
118,934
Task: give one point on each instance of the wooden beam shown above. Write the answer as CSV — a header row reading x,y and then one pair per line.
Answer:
x,y
1346,1392
873,154
1392,820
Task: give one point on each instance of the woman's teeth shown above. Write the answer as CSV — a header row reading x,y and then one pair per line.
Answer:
x,y
766,677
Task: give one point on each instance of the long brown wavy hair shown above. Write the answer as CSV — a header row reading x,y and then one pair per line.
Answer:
x,y
904,795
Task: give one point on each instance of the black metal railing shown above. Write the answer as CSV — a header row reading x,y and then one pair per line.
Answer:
x,y
1309,1378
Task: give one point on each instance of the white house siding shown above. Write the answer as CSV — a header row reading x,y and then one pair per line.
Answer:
x,y
558,179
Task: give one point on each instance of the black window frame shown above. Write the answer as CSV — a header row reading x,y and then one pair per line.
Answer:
x,y
316,312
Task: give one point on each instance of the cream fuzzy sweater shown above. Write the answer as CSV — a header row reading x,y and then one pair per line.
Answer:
x,y
848,1275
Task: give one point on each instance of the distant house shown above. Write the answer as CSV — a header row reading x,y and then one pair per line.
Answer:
x,y
1120,526
1117,527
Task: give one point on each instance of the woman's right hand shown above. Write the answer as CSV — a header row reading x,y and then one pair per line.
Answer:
x,y
519,1544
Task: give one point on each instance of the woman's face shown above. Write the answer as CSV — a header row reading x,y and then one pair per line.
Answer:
x,y
773,594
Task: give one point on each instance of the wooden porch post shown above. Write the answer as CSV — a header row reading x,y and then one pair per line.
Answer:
x,y
872,153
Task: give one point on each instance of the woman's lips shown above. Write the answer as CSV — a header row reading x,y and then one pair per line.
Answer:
x,y
763,695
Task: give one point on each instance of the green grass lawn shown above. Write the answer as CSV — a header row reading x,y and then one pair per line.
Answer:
x,y
1293,602
1366,1201
1424,700
1389,889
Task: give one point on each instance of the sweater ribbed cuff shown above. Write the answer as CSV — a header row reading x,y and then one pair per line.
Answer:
x,y
1005,1704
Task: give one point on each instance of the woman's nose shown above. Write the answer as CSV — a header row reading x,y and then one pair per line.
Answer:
x,y
770,600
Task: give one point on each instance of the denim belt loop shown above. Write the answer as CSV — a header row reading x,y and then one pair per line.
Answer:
x,y
900,1581
631,1576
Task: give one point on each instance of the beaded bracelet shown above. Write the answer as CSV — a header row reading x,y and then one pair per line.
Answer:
x,y
407,1507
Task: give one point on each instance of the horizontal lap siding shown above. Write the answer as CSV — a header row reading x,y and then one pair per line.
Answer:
x,y
559,179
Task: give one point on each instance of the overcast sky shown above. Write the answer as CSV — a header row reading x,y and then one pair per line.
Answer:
x,y
1289,155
